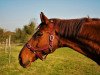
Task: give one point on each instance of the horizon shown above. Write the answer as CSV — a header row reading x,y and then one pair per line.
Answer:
x,y
17,13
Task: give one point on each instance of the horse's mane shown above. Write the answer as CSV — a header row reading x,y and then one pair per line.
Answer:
x,y
69,28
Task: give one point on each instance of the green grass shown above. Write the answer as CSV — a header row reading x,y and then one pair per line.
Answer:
x,y
63,61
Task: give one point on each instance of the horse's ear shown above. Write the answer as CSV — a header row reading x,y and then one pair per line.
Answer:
x,y
43,18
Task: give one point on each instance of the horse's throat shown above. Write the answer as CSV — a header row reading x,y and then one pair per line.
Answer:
x,y
83,46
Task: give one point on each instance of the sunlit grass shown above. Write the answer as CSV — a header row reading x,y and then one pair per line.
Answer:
x,y
63,61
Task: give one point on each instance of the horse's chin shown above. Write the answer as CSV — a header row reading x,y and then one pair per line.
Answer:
x,y
27,65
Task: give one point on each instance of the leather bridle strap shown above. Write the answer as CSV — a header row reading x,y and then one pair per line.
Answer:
x,y
37,50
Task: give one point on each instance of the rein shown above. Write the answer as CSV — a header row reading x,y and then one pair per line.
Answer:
x,y
37,50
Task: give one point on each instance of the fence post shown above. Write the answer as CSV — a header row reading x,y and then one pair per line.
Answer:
x,y
9,44
6,46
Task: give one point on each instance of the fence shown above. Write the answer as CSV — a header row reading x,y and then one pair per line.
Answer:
x,y
7,47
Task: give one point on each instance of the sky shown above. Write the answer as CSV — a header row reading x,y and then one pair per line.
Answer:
x,y
17,13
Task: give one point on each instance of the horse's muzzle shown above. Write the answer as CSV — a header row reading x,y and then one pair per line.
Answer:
x,y
24,64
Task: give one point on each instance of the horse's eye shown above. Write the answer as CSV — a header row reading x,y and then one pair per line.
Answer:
x,y
39,34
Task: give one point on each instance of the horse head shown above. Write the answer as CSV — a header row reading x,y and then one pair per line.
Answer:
x,y
43,42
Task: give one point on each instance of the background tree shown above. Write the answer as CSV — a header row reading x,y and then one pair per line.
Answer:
x,y
20,35
24,34
1,34
4,34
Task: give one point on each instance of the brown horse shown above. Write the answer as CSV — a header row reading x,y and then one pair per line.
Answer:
x,y
82,35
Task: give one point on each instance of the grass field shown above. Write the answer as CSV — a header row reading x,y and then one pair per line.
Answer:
x,y
63,61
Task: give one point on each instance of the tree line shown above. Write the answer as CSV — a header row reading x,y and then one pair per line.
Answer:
x,y
20,35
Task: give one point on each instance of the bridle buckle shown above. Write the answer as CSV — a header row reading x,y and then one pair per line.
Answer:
x,y
51,37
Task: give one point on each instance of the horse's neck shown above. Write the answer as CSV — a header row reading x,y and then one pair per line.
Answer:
x,y
72,43
84,46
67,33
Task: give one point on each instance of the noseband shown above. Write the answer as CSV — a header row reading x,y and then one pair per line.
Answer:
x,y
37,51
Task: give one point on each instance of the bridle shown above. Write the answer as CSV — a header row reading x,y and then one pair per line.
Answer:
x,y
38,51
42,53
